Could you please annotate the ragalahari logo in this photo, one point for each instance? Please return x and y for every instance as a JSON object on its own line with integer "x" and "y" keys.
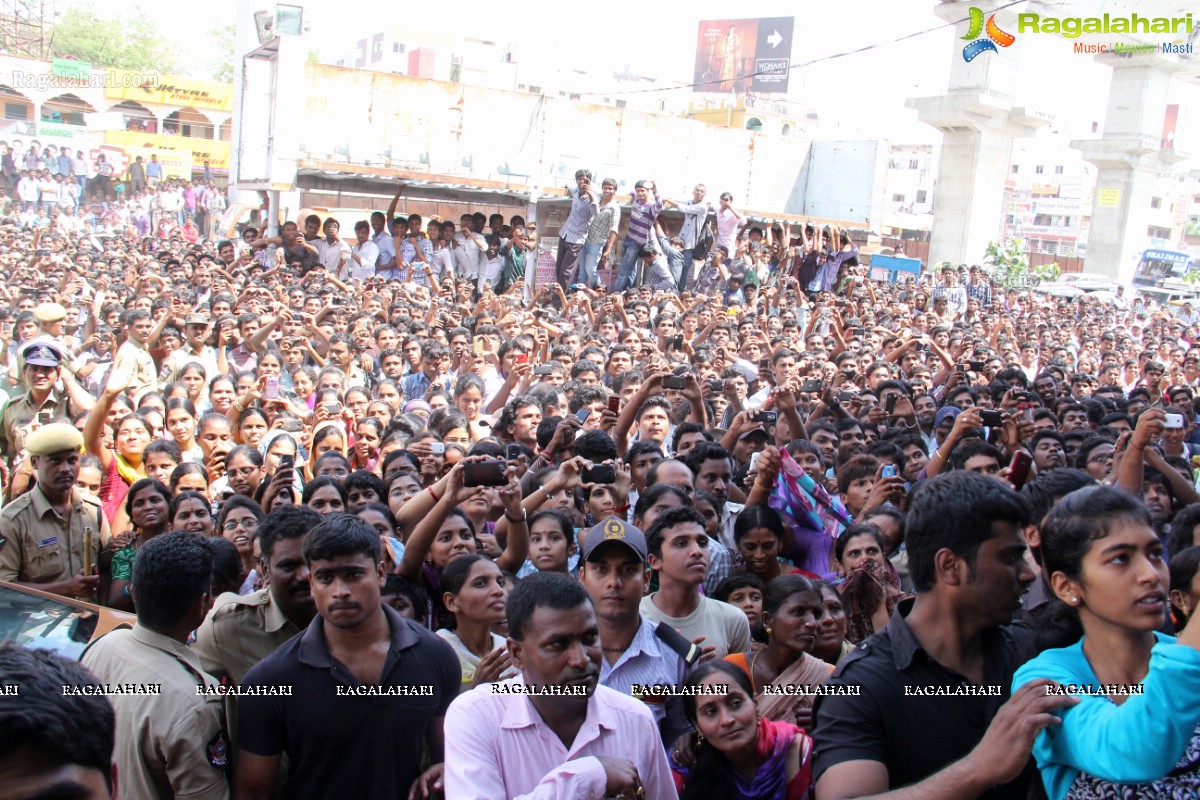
{"x": 995, "y": 36}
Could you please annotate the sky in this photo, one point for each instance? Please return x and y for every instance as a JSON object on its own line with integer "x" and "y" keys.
{"x": 858, "y": 96}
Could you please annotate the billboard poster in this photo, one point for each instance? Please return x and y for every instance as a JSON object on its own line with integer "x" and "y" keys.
{"x": 547, "y": 256}
{"x": 743, "y": 55}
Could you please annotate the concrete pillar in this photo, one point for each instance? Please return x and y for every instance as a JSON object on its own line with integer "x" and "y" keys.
{"x": 978, "y": 119}
{"x": 1127, "y": 157}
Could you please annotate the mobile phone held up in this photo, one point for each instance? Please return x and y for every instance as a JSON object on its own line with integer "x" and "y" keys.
{"x": 1018, "y": 468}
{"x": 484, "y": 473}
{"x": 601, "y": 473}
{"x": 674, "y": 382}
{"x": 766, "y": 418}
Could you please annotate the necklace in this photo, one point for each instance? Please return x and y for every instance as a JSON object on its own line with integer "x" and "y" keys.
{"x": 614, "y": 649}
{"x": 754, "y": 661}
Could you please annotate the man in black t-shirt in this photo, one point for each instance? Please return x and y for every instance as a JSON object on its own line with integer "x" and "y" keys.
{"x": 353, "y": 698}
{"x": 933, "y": 712}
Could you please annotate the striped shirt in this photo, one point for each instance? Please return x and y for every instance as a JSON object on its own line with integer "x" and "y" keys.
{"x": 641, "y": 220}
{"x": 649, "y": 661}
{"x": 583, "y": 211}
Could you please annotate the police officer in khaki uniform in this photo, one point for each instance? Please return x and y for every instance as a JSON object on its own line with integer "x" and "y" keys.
{"x": 42, "y": 532}
{"x": 51, "y": 320}
{"x": 171, "y": 738}
{"x": 43, "y": 399}
{"x": 240, "y": 631}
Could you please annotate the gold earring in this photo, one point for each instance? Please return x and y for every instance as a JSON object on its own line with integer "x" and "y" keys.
{"x": 768, "y": 630}
{"x": 699, "y": 739}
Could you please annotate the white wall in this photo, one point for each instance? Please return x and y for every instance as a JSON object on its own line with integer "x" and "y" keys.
{"x": 846, "y": 181}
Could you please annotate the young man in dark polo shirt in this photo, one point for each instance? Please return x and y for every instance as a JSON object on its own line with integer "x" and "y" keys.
{"x": 367, "y": 686}
{"x": 933, "y": 718}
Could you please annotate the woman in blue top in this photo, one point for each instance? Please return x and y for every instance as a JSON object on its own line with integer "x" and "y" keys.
{"x": 1105, "y": 563}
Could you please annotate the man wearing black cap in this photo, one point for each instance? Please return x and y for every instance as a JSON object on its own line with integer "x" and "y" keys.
{"x": 44, "y": 399}
{"x": 637, "y": 651}
{"x": 42, "y": 532}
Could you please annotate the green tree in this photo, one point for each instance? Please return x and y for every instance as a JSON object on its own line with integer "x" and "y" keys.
{"x": 132, "y": 43}
{"x": 1010, "y": 266}
{"x": 222, "y": 42}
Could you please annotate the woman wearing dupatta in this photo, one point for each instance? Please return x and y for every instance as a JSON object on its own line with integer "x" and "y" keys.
{"x": 740, "y": 754}
{"x": 870, "y": 595}
{"x": 792, "y": 608}
{"x": 814, "y": 518}
{"x": 122, "y": 466}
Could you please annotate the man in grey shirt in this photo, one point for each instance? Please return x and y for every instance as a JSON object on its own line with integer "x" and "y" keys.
{"x": 574, "y": 230}
{"x": 694, "y": 215}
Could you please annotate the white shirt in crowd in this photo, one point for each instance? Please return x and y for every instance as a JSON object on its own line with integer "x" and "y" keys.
{"x": 368, "y": 254}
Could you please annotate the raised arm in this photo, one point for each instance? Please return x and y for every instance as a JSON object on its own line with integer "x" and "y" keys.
{"x": 423, "y": 535}
{"x": 119, "y": 379}
{"x": 629, "y": 413}
{"x": 516, "y": 546}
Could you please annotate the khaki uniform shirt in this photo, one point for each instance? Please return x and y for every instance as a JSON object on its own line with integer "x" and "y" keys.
{"x": 174, "y": 364}
{"x": 140, "y": 362}
{"x": 239, "y": 632}
{"x": 172, "y": 744}
{"x": 38, "y": 545}
{"x": 20, "y": 411}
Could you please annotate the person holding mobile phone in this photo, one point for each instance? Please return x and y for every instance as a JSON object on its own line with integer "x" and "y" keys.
{"x": 574, "y": 229}
{"x": 445, "y": 532}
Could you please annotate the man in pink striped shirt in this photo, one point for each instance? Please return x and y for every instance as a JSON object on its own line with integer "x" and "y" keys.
{"x": 553, "y": 732}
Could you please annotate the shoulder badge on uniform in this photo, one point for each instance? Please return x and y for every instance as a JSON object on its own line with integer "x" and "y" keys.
{"x": 218, "y": 751}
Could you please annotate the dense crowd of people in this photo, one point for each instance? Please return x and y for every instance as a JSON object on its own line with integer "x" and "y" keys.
{"x": 397, "y": 521}
{"x": 80, "y": 191}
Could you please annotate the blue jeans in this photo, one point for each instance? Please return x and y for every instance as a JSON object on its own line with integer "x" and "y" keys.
{"x": 627, "y": 272}
{"x": 589, "y": 262}
{"x": 686, "y": 277}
